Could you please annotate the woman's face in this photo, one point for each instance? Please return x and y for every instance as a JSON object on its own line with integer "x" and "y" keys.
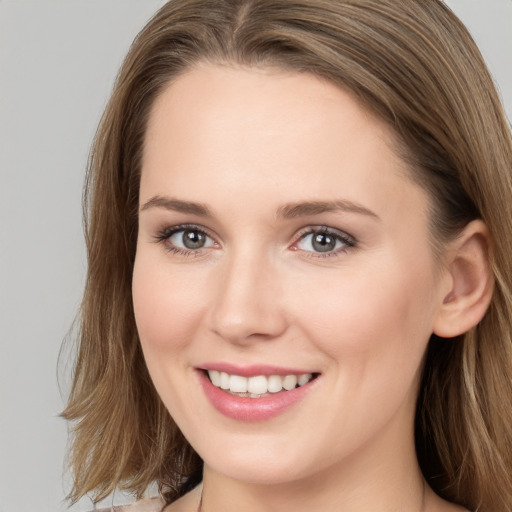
{"x": 281, "y": 243}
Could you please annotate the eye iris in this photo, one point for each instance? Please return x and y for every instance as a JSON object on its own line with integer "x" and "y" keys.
{"x": 323, "y": 242}
{"x": 193, "y": 239}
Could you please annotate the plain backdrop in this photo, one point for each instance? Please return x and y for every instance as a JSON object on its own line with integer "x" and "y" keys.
{"x": 58, "y": 60}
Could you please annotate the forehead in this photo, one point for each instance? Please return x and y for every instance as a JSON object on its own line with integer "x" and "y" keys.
{"x": 223, "y": 92}
{"x": 271, "y": 132}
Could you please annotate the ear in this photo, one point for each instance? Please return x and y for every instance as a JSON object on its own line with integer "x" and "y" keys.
{"x": 470, "y": 282}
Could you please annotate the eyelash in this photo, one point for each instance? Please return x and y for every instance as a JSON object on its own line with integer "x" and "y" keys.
{"x": 165, "y": 234}
{"x": 348, "y": 241}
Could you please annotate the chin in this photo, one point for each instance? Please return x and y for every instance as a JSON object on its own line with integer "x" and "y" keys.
{"x": 259, "y": 472}
{"x": 260, "y": 461}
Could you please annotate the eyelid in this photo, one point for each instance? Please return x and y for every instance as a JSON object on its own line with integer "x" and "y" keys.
{"x": 348, "y": 240}
{"x": 164, "y": 234}
{"x": 168, "y": 231}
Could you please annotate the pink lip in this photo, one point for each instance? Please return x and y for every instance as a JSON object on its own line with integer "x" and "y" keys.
{"x": 253, "y": 370}
{"x": 252, "y": 409}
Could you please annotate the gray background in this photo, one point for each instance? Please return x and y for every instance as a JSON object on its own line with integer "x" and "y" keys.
{"x": 58, "y": 59}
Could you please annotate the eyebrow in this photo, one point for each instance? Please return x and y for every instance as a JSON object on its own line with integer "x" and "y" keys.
{"x": 176, "y": 205}
{"x": 287, "y": 211}
{"x": 304, "y": 209}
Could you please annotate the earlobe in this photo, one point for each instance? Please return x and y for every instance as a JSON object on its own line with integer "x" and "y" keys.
{"x": 471, "y": 282}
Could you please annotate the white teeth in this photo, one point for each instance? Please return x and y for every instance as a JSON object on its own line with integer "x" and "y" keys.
{"x": 224, "y": 380}
{"x": 304, "y": 379}
{"x": 289, "y": 382}
{"x": 259, "y": 384}
{"x": 215, "y": 377}
{"x": 238, "y": 384}
{"x": 275, "y": 384}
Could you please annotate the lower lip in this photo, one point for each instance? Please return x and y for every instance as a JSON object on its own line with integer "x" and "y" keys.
{"x": 251, "y": 409}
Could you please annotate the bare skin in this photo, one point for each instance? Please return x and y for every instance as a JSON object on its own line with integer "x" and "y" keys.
{"x": 191, "y": 502}
{"x": 241, "y": 148}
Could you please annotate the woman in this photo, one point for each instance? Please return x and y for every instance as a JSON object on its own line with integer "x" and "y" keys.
{"x": 299, "y": 289}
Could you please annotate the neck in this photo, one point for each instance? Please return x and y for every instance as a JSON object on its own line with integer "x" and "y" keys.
{"x": 362, "y": 482}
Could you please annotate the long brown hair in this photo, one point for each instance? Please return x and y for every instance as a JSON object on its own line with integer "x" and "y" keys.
{"x": 414, "y": 65}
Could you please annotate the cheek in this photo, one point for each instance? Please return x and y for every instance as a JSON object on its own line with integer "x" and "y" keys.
{"x": 166, "y": 313}
{"x": 378, "y": 311}
{"x": 374, "y": 327}
{"x": 166, "y": 306}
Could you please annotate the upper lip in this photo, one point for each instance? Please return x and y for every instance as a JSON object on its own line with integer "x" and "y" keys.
{"x": 253, "y": 369}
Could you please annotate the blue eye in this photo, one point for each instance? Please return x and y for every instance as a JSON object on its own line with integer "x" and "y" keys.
{"x": 324, "y": 240}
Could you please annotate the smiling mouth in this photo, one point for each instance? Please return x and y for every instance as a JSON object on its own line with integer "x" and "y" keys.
{"x": 259, "y": 386}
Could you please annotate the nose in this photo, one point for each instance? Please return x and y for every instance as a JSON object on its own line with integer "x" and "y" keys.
{"x": 246, "y": 301}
